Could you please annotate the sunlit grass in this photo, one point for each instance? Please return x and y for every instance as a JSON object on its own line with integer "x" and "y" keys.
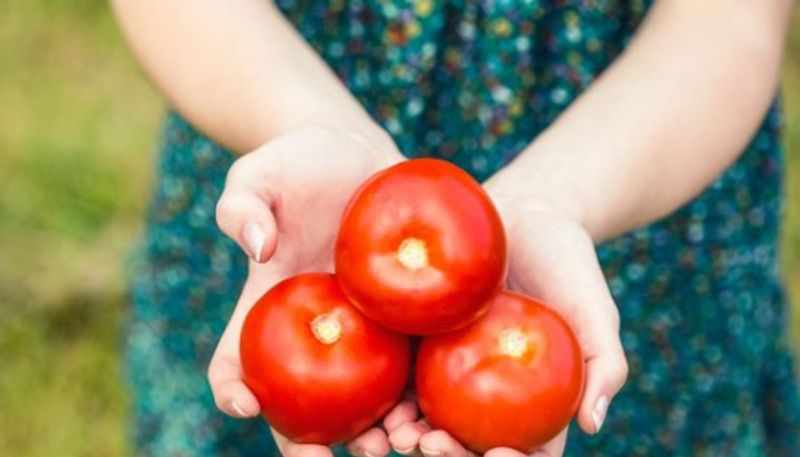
{"x": 791, "y": 227}
{"x": 77, "y": 128}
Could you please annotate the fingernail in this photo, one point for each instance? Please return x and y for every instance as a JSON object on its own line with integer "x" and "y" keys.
{"x": 405, "y": 451}
{"x": 254, "y": 238}
{"x": 238, "y": 409}
{"x": 599, "y": 412}
{"x": 369, "y": 454}
{"x": 428, "y": 452}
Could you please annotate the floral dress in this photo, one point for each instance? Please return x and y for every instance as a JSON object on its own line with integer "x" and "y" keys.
{"x": 704, "y": 316}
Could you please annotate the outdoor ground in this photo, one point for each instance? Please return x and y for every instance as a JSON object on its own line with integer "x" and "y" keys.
{"x": 78, "y": 124}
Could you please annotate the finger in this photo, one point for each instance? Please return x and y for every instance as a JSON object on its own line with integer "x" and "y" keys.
{"x": 405, "y": 437}
{"x": 506, "y": 452}
{"x": 372, "y": 443}
{"x": 290, "y": 449}
{"x": 244, "y": 210}
{"x": 553, "y": 448}
{"x": 439, "y": 443}
{"x": 405, "y": 411}
{"x": 231, "y": 395}
{"x": 606, "y": 372}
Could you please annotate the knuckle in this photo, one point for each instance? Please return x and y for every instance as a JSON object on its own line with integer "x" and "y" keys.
{"x": 237, "y": 172}
{"x": 619, "y": 370}
{"x": 210, "y": 375}
{"x": 228, "y": 212}
{"x": 614, "y": 318}
{"x": 624, "y": 369}
{"x": 211, "y": 372}
{"x": 224, "y": 210}
{"x": 220, "y": 399}
{"x": 220, "y": 404}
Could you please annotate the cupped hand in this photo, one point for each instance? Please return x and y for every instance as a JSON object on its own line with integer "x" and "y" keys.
{"x": 552, "y": 258}
{"x": 282, "y": 204}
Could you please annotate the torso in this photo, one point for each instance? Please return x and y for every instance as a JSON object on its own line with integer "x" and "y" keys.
{"x": 473, "y": 82}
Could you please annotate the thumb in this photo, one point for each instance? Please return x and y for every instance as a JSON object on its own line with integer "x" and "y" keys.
{"x": 245, "y": 208}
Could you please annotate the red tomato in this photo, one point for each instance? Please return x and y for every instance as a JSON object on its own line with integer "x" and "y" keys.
{"x": 421, "y": 248}
{"x": 514, "y": 378}
{"x": 322, "y": 372}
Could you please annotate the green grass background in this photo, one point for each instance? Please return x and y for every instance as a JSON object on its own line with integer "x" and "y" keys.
{"x": 78, "y": 124}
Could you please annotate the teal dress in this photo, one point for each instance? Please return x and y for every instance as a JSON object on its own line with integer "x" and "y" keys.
{"x": 704, "y": 316}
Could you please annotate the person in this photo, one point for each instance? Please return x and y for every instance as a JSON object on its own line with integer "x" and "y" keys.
{"x": 648, "y": 131}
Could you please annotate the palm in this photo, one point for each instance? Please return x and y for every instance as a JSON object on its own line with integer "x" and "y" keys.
{"x": 553, "y": 259}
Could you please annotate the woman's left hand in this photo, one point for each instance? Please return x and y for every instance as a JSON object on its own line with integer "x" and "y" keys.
{"x": 282, "y": 203}
{"x": 552, "y": 258}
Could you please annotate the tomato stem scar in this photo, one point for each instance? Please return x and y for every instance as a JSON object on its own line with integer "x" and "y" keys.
{"x": 413, "y": 254}
{"x": 513, "y": 343}
{"x": 326, "y": 329}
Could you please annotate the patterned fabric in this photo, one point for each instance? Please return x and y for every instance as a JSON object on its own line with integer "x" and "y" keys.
{"x": 473, "y": 82}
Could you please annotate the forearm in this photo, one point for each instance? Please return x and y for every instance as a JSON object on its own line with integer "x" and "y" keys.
{"x": 238, "y": 70}
{"x": 663, "y": 121}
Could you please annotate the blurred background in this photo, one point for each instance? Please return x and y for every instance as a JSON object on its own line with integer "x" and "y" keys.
{"x": 78, "y": 125}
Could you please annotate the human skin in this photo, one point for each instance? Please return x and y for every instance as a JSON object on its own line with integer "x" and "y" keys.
{"x": 658, "y": 126}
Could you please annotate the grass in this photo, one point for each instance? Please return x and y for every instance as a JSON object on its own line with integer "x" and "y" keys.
{"x": 791, "y": 227}
{"x": 77, "y": 125}
{"x": 77, "y": 130}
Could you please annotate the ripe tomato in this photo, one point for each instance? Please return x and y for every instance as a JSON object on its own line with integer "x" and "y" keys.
{"x": 514, "y": 378}
{"x": 421, "y": 248}
{"x": 322, "y": 372}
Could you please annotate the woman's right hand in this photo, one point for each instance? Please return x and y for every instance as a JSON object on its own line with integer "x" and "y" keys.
{"x": 552, "y": 258}
{"x": 282, "y": 204}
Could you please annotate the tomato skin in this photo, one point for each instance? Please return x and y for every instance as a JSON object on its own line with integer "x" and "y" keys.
{"x": 310, "y": 391}
{"x": 440, "y": 287}
{"x": 485, "y": 398}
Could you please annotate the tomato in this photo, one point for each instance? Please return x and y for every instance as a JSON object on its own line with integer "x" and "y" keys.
{"x": 514, "y": 378}
{"x": 421, "y": 249}
{"x": 322, "y": 372}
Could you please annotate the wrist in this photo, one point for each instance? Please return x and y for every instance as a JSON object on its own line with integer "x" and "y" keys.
{"x": 375, "y": 141}
{"x": 535, "y": 183}
{"x": 365, "y": 136}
